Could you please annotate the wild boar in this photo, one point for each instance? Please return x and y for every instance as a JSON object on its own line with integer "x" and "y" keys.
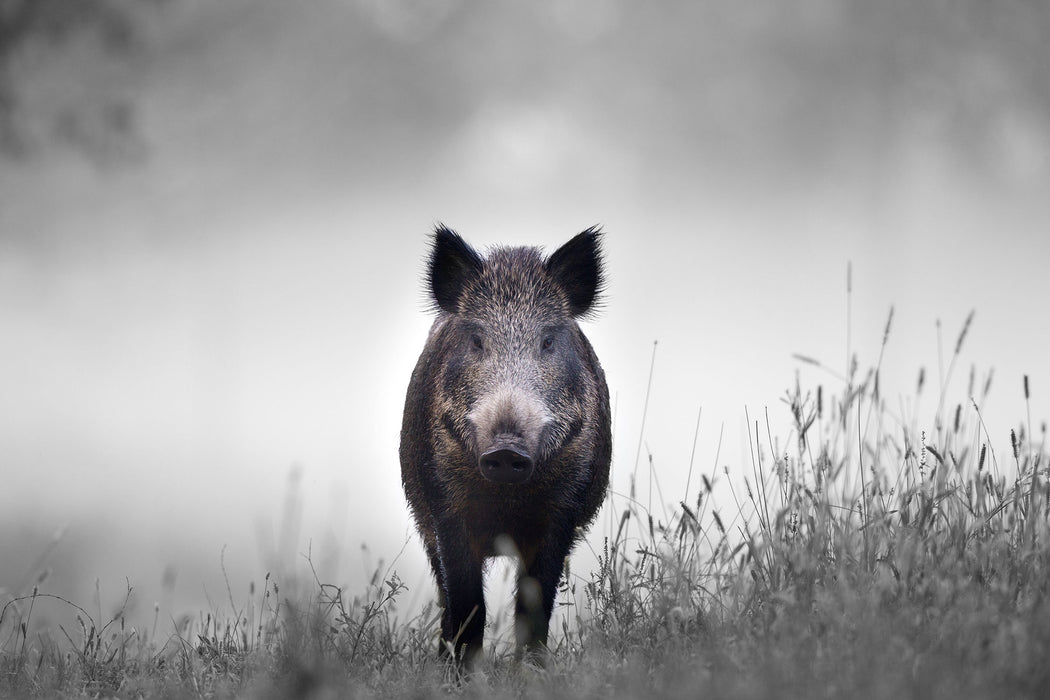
{"x": 507, "y": 429}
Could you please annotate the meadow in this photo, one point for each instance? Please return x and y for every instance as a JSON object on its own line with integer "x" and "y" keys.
{"x": 866, "y": 553}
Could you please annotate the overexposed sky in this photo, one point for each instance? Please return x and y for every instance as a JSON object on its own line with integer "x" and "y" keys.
{"x": 239, "y": 293}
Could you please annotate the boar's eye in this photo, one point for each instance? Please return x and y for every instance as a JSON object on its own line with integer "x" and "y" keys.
{"x": 476, "y": 343}
{"x": 548, "y": 342}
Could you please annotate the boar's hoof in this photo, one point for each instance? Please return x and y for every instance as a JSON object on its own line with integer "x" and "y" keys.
{"x": 506, "y": 466}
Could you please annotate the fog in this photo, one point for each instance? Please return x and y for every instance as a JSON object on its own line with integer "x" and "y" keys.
{"x": 207, "y": 325}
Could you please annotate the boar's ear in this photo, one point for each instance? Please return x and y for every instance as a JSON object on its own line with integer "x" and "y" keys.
{"x": 577, "y": 267}
{"x": 452, "y": 265}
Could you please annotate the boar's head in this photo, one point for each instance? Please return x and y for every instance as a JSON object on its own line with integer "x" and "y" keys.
{"x": 515, "y": 386}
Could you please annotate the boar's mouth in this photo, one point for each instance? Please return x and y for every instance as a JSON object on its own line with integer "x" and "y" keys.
{"x": 506, "y": 461}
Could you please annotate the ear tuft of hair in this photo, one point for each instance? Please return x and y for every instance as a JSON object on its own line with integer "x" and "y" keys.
{"x": 577, "y": 267}
{"x": 453, "y": 263}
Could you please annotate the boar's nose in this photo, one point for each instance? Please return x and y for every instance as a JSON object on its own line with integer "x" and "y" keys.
{"x": 506, "y": 465}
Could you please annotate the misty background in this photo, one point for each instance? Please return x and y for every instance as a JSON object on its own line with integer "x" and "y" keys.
{"x": 213, "y": 220}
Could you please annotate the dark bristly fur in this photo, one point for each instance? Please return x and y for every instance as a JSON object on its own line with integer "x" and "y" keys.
{"x": 506, "y": 376}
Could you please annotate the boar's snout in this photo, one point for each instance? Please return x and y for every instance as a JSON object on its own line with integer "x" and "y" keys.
{"x": 506, "y": 462}
{"x": 508, "y": 424}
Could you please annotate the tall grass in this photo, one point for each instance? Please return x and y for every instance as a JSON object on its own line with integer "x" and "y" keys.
{"x": 860, "y": 555}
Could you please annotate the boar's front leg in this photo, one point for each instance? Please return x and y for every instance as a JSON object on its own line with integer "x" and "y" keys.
{"x": 537, "y": 586}
{"x": 461, "y": 580}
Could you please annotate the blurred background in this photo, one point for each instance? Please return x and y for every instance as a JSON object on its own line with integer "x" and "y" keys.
{"x": 213, "y": 218}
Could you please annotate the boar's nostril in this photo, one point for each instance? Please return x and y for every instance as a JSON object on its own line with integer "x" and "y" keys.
{"x": 506, "y": 466}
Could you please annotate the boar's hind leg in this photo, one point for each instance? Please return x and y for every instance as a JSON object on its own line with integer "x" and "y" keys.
{"x": 461, "y": 582}
{"x": 537, "y": 586}
{"x": 435, "y": 566}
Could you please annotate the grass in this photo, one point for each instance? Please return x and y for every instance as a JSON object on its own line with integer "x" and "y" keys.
{"x": 859, "y": 556}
